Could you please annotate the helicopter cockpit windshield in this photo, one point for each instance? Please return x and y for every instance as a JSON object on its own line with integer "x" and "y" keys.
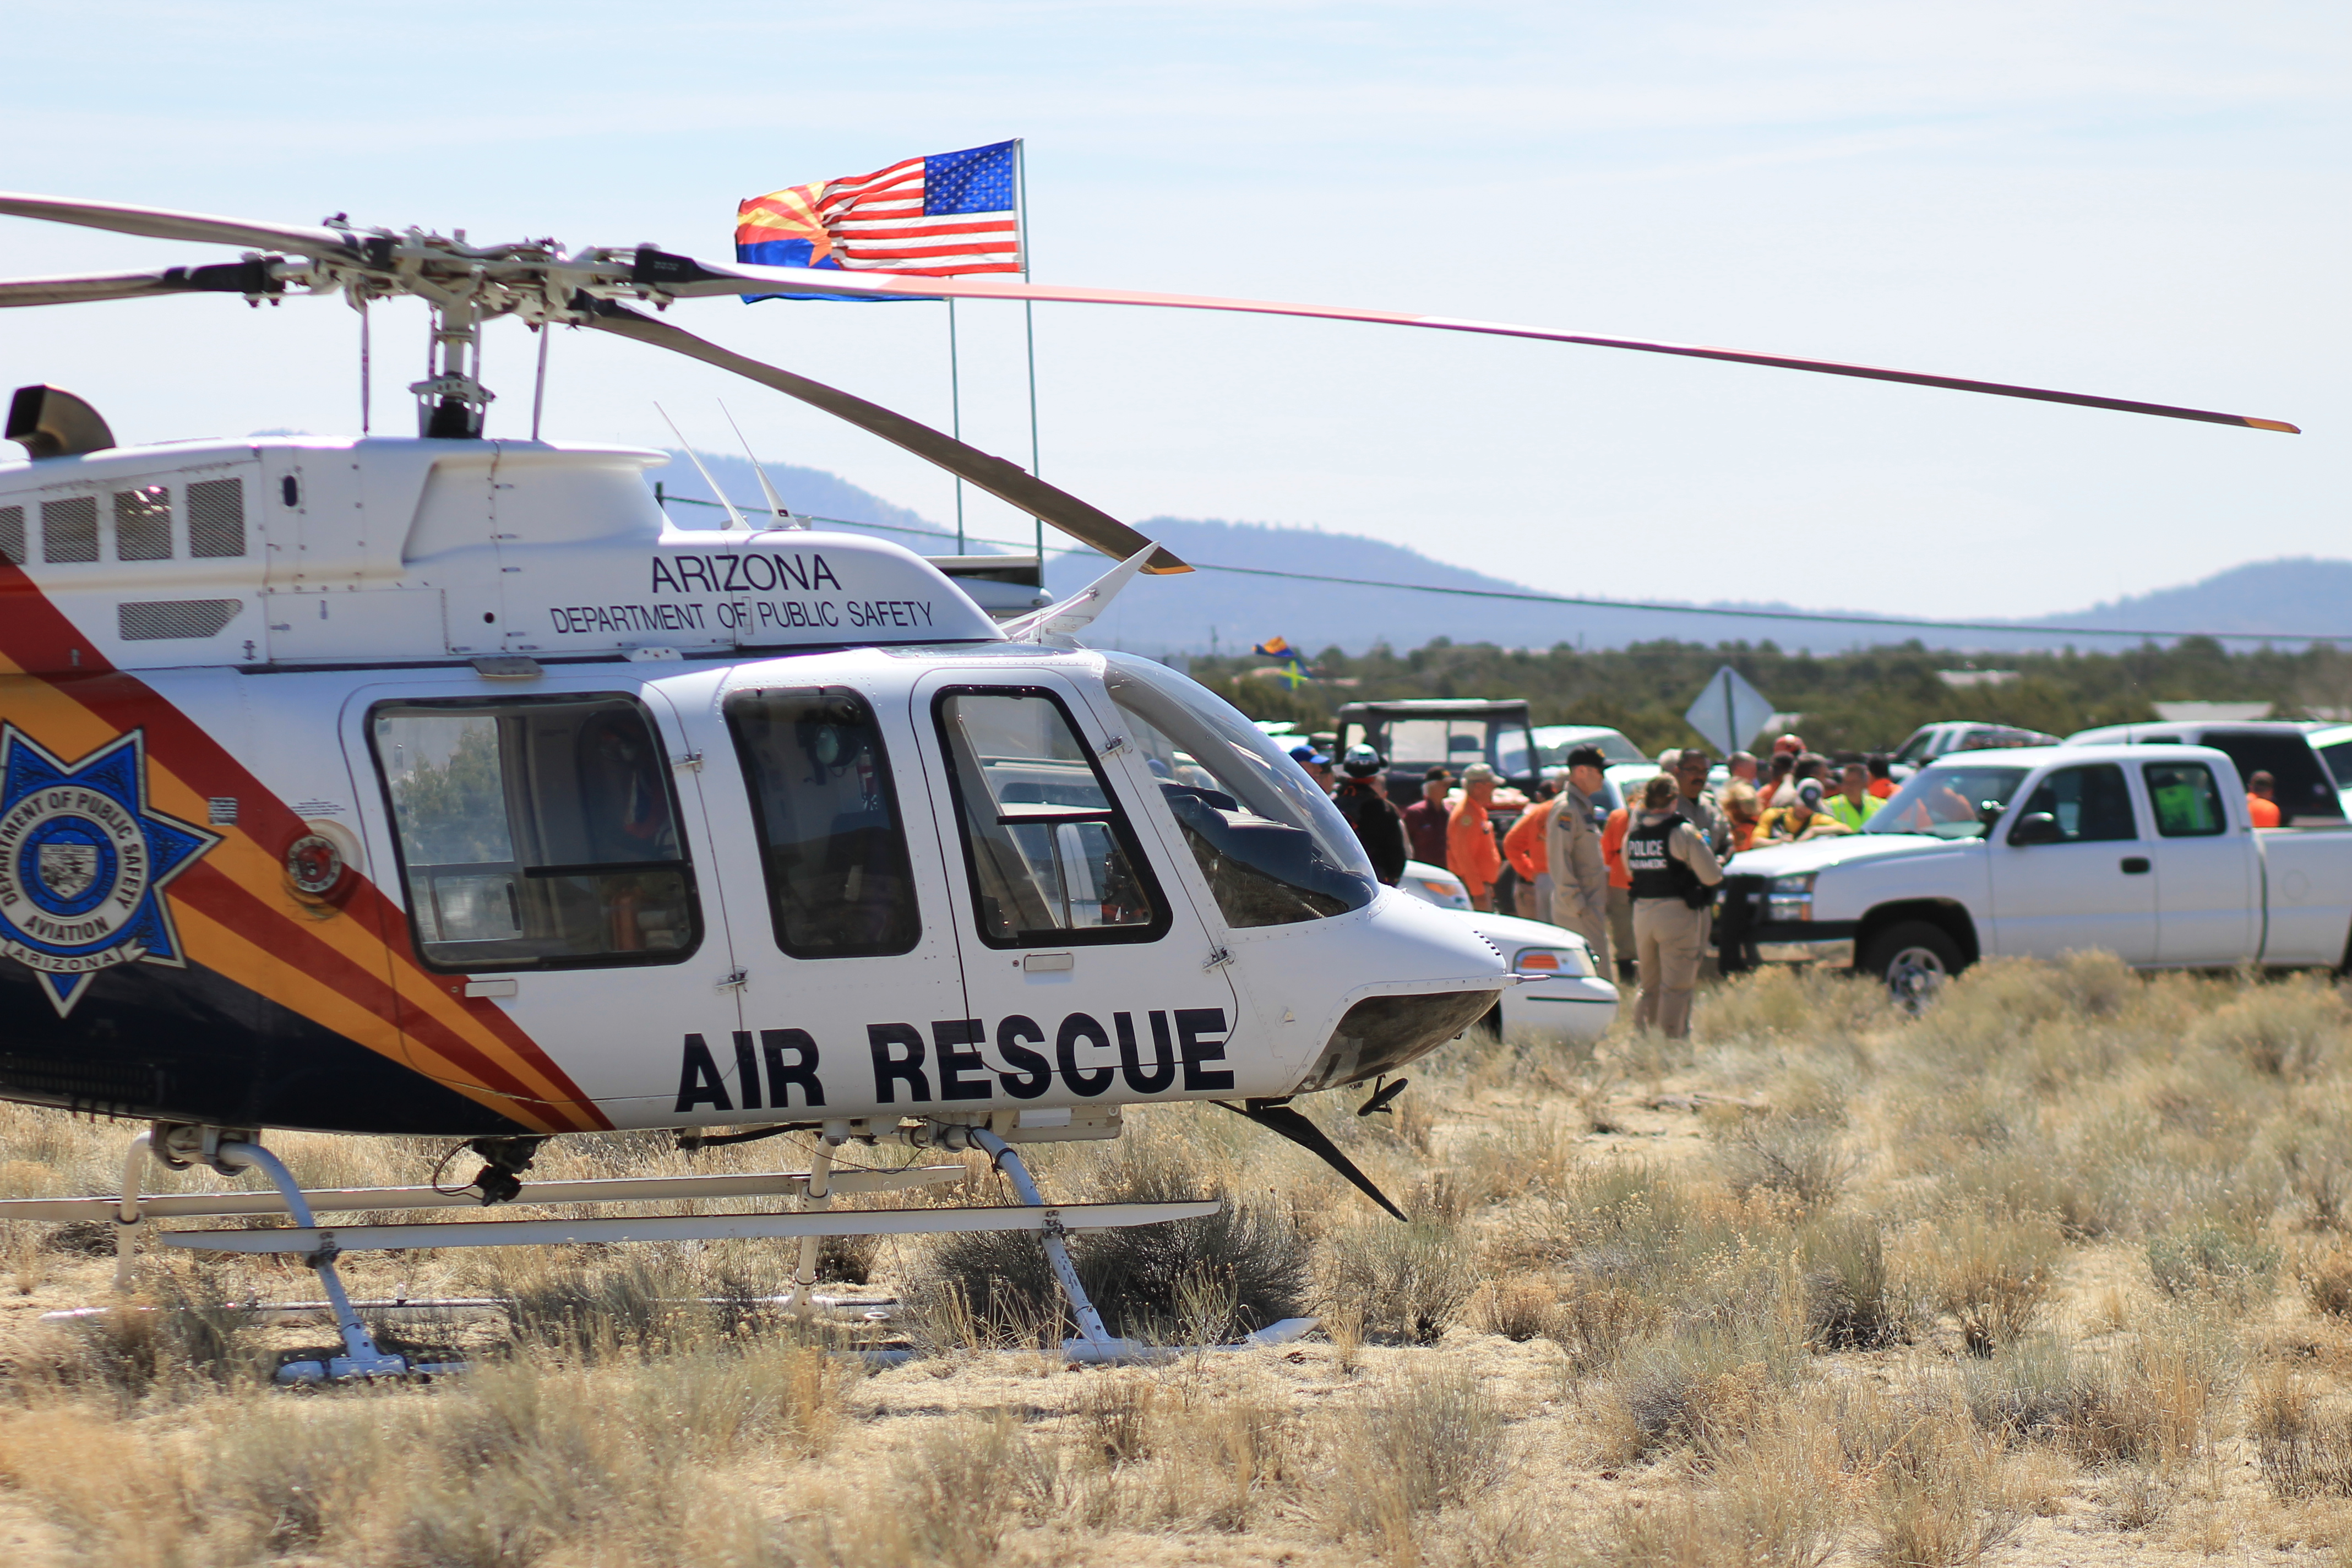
{"x": 1274, "y": 848}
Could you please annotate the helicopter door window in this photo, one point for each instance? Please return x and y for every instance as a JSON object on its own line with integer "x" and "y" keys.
{"x": 1051, "y": 856}
{"x": 831, "y": 843}
{"x": 536, "y": 834}
{"x": 1274, "y": 848}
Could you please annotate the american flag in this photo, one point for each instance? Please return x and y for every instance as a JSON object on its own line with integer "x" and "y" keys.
{"x": 937, "y": 216}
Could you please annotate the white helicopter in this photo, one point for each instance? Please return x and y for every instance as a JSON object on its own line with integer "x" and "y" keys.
{"x": 437, "y": 786}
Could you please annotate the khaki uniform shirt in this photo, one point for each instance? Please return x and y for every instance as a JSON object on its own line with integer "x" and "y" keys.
{"x": 1702, "y": 813}
{"x": 1572, "y": 854}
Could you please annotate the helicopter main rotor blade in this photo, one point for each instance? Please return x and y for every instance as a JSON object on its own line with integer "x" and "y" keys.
{"x": 250, "y": 278}
{"x": 684, "y": 276}
{"x": 1007, "y": 482}
{"x": 157, "y": 223}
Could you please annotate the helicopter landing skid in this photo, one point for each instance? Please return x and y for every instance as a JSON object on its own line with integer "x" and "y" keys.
{"x": 233, "y": 1153}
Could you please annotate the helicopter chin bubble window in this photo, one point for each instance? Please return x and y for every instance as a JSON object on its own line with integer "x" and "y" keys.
{"x": 1275, "y": 849}
{"x": 839, "y": 883}
{"x": 536, "y": 832}
{"x": 1051, "y": 856}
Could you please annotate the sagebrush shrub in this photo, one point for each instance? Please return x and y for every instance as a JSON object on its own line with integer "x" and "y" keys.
{"x": 2293, "y": 1028}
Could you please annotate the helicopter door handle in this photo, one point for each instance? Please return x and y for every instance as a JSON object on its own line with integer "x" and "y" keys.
{"x": 690, "y": 763}
{"x": 1218, "y": 958}
{"x": 2135, "y": 865}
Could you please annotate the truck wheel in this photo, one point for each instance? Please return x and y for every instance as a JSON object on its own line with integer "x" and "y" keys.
{"x": 1914, "y": 959}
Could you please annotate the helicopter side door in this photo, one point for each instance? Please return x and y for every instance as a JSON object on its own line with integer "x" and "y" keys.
{"x": 842, "y": 929}
{"x": 1087, "y": 971}
{"x": 558, "y": 881}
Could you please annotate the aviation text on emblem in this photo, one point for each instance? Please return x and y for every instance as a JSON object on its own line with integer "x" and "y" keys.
{"x": 83, "y": 863}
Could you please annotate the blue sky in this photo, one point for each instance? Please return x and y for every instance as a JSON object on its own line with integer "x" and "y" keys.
{"x": 2140, "y": 200}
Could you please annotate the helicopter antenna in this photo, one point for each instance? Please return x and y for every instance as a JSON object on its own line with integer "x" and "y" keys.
{"x": 734, "y": 518}
{"x": 775, "y": 502}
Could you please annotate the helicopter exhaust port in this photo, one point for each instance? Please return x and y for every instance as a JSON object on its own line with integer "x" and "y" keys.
{"x": 50, "y": 423}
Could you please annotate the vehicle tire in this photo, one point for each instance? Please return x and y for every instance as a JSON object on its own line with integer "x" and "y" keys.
{"x": 1913, "y": 959}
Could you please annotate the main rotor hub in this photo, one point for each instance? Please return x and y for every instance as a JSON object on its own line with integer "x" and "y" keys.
{"x": 464, "y": 286}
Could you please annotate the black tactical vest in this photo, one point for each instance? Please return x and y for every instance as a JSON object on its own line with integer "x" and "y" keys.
{"x": 1655, "y": 873}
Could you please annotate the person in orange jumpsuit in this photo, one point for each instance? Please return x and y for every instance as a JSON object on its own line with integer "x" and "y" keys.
{"x": 1471, "y": 852}
{"x": 1523, "y": 847}
{"x": 1621, "y": 889}
{"x": 2262, "y": 800}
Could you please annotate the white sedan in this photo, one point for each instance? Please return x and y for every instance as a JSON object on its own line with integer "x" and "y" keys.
{"x": 1562, "y": 996}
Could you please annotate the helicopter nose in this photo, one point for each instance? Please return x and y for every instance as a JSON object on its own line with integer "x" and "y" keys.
{"x": 1423, "y": 975}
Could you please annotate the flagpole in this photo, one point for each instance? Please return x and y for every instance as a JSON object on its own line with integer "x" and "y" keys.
{"x": 1028, "y": 323}
{"x": 955, "y": 416}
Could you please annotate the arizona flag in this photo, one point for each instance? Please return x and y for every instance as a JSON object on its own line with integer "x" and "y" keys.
{"x": 1290, "y": 664}
{"x": 938, "y": 216}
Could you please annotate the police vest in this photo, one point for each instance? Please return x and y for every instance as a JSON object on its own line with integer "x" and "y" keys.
{"x": 1655, "y": 873}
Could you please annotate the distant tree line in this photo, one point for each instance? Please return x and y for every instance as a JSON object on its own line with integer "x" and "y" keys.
{"x": 1864, "y": 701}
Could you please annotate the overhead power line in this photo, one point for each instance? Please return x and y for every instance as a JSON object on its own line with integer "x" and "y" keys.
{"x": 1825, "y": 617}
{"x": 1820, "y": 616}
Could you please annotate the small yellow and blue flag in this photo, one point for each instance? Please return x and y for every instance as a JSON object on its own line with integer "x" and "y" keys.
{"x": 1289, "y": 663}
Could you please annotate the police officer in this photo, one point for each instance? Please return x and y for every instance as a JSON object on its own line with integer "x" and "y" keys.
{"x": 1696, "y": 806}
{"x": 1579, "y": 877}
{"x": 1363, "y": 800}
{"x": 1674, "y": 874}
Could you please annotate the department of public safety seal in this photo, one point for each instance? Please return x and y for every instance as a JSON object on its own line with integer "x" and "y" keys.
{"x": 83, "y": 863}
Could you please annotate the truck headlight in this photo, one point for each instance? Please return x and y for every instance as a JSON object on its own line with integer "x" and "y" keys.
{"x": 1448, "y": 894}
{"x": 1573, "y": 962}
{"x": 1789, "y": 898}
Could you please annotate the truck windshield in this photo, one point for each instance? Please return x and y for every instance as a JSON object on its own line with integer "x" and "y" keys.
{"x": 1553, "y": 743}
{"x": 1947, "y": 801}
{"x": 1914, "y": 750}
{"x": 1412, "y": 743}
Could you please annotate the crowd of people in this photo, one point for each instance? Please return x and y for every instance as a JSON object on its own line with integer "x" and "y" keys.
{"x": 1636, "y": 881}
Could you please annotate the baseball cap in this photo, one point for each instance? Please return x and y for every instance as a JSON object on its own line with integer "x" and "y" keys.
{"x": 1588, "y": 757}
{"x": 1810, "y": 792}
{"x": 1306, "y": 757}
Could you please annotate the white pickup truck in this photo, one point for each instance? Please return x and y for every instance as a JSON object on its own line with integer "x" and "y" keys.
{"x": 2142, "y": 850}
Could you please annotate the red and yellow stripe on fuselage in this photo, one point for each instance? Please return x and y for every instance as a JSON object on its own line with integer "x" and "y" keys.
{"x": 345, "y": 967}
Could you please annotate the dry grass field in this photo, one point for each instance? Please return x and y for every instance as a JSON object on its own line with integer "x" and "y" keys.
{"x": 2058, "y": 1272}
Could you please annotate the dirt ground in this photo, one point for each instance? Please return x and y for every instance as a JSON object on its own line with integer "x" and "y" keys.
{"x": 2052, "y": 1274}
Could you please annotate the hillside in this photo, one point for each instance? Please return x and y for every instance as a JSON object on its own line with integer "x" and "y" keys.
{"x": 2300, "y": 593}
{"x": 1220, "y": 610}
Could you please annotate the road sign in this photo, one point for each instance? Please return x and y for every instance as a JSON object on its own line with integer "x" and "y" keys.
{"x": 1728, "y": 712}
